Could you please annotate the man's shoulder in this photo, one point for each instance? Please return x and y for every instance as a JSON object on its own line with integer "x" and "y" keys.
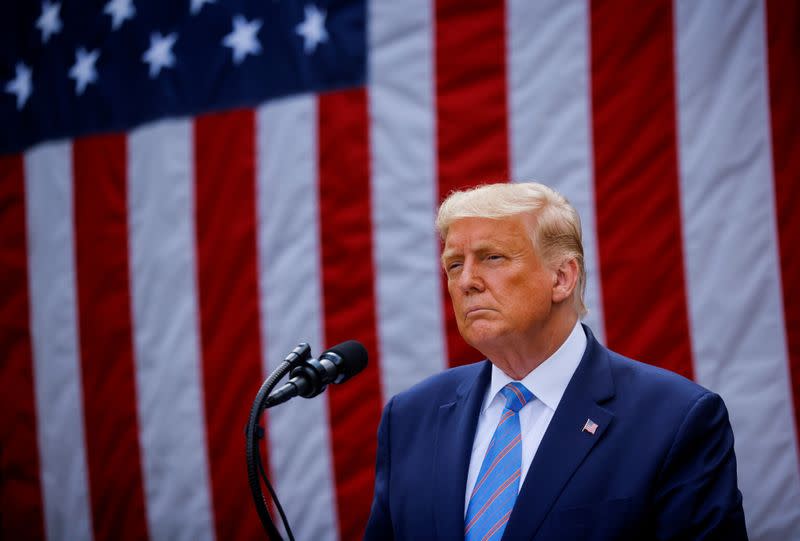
{"x": 444, "y": 386}
{"x": 651, "y": 406}
{"x": 630, "y": 377}
{"x": 634, "y": 378}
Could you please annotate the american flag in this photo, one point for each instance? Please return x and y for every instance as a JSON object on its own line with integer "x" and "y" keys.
{"x": 590, "y": 427}
{"x": 188, "y": 189}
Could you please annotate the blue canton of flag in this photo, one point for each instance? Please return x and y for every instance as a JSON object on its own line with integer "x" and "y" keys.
{"x": 74, "y": 68}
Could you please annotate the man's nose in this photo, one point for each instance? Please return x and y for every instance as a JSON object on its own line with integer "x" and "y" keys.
{"x": 470, "y": 279}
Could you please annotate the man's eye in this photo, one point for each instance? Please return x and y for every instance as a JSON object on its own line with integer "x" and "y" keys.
{"x": 453, "y": 266}
{"x": 494, "y": 257}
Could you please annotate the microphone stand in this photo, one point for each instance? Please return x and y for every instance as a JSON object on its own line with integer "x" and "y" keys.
{"x": 253, "y": 435}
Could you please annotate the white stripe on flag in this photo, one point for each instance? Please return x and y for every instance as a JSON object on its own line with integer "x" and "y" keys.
{"x": 165, "y": 329}
{"x": 403, "y": 147}
{"x": 56, "y": 353}
{"x": 550, "y": 116}
{"x": 735, "y": 306}
{"x": 291, "y": 307}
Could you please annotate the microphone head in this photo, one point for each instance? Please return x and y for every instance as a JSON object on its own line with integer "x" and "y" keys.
{"x": 353, "y": 357}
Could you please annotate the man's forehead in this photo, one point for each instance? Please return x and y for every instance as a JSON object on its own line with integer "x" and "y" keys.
{"x": 478, "y": 228}
{"x": 480, "y": 233}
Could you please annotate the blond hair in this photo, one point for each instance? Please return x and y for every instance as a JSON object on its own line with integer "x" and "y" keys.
{"x": 556, "y": 235}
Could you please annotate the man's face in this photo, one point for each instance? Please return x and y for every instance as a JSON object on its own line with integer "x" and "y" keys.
{"x": 501, "y": 291}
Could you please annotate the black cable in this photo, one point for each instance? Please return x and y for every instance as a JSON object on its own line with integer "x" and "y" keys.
{"x": 252, "y": 455}
{"x": 275, "y": 498}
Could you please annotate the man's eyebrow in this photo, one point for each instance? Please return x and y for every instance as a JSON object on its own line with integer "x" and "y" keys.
{"x": 447, "y": 255}
{"x": 479, "y": 248}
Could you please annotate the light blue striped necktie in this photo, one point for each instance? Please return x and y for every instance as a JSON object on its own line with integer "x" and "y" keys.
{"x": 496, "y": 489}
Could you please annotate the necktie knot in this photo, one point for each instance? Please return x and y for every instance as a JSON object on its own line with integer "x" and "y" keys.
{"x": 516, "y": 395}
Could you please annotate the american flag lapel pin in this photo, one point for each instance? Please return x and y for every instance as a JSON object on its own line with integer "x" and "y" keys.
{"x": 590, "y": 427}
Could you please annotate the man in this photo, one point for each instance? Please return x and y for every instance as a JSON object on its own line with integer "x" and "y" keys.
{"x": 555, "y": 437}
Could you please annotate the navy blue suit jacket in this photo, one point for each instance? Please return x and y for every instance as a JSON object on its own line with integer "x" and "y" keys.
{"x": 660, "y": 465}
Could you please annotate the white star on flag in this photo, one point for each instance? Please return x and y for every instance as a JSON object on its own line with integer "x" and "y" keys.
{"x": 590, "y": 427}
{"x": 160, "y": 55}
{"x": 49, "y": 21}
{"x": 312, "y": 28}
{"x": 197, "y": 5}
{"x": 243, "y": 38}
{"x": 120, "y": 11}
{"x": 21, "y": 85}
{"x": 84, "y": 71}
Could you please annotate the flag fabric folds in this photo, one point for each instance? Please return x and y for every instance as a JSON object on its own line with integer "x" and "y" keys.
{"x": 189, "y": 190}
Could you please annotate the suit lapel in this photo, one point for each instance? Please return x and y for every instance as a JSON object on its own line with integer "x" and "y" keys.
{"x": 455, "y": 432}
{"x": 565, "y": 444}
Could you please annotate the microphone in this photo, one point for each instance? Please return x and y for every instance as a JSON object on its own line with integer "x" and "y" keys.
{"x": 311, "y": 376}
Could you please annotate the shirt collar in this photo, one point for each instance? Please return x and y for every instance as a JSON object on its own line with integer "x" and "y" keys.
{"x": 549, "y": 380}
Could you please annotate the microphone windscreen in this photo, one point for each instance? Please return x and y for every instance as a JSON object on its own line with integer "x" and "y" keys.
{"x": 354, "y": 357}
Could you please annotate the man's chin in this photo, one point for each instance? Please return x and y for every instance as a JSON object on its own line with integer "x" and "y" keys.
{"x": 484, "y": 338}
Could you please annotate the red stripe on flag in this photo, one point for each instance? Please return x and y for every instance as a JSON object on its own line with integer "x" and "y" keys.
{"x": 783, "y": 34}
{"x": 471, "y": 109}
{"x": 348, "y": 285}
{"x": 106, "y": 339}
{"x": 227, "y": 272}
{"x": 21, "y": 515}
{"x": 637, "y": 183}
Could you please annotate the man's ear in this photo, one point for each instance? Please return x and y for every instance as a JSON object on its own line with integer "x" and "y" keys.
{"x": 565, "y": 280}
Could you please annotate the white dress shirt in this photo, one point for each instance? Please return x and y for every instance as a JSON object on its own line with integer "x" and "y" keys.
{"x": 547, "y": 382}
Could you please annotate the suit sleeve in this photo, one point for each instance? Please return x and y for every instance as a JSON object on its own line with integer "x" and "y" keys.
{"x": 379, "y": 526}
{"x": 698, "y": 497}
